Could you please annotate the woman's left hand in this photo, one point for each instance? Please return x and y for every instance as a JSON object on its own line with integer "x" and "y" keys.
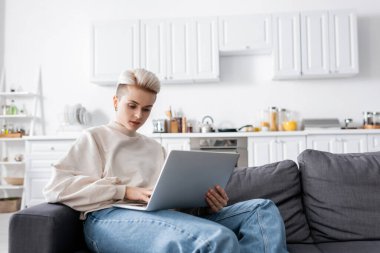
{"x": 216, "y": 199}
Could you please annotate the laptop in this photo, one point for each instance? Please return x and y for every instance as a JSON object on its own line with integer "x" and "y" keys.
{"x": 185, "y": 178}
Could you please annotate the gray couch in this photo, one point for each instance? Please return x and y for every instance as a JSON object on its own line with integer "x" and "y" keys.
{"x": 330, "y": 203}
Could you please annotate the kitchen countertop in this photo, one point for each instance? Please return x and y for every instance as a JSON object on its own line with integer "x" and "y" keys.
{"x": 263, "y": 134}
{"x": 223, "y": 134}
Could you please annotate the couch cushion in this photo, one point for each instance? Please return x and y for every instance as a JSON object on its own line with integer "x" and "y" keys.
{"x": 349, "y": 247}
{"x": 303, "y": 248}
{"x": 278, "y": 182}
{"x": 341, "y": 195}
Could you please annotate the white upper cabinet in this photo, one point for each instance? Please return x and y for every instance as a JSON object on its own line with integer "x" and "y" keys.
{"x": 180, "y": 50}
{"x": 328, "y": 43}
{"x": 315, "y": 43}
{"x": 343, "y": 43}
{"x": 115, "y": 47}
{"x": 206, "y": 49}
{"x": 242, "y": 34}
{"x": 286, "y": 45}
{"x": 153, "y": 46}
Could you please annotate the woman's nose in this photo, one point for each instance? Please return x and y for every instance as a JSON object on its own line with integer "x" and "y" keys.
{"x": 138, "y": 114}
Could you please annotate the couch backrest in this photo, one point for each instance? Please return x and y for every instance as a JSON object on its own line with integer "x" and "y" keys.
{"x": 341, "y": 195}
{"x": 280, "y": 183}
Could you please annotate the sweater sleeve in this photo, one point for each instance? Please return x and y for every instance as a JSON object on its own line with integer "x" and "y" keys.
{"x": 78, "y": 180}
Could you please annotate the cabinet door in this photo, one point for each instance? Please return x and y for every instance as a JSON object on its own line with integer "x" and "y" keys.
{"x": 34, "y": 185}
{"x": 373, "y": 142}
{"x": 326, "y": 143}
{"x": 343, "y": 42}
{"x": 352, "y": 143}
{"x": 180, "y": 48}
{"x": 206, "y": 49}
{"x": 286, "y": 45}
{"x": 315, "y": 43}
{"x": 261, "y": 150}
{"x": 245, "y": 34}
{"x": 290, "y": 147}
{"x": 175, "y": 144}
{"x": 153, "y": 46}
{"x": 115, "y": 47}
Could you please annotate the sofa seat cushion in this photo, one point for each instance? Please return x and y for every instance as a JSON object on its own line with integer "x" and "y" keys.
{"x": 278, "y": 182}
{"x": 336, "y": 247}
{"x": 303, "y": 248}
{"x": 341, "y": 195}
{"x": 350, "y": 247}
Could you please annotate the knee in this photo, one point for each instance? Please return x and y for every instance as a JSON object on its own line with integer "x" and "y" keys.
{"x": 224, "y": 240}
{"x": 260, "y": 203}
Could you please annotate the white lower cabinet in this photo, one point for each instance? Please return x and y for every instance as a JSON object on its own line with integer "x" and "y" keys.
{"x": 175, "y": 144}
{"x": 35, "y": 183}
{"x": 264, "y": 150}
{"x": 338, "y": 143}
{"x": 373, "y": 142}
{"x": 41, "y": 155}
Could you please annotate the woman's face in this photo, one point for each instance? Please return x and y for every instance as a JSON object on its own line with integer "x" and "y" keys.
{"x": 133, "y": 108}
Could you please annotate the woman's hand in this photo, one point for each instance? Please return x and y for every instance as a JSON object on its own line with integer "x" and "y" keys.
{"x": 138, "y": 194}
{"x": 216, "y": 199}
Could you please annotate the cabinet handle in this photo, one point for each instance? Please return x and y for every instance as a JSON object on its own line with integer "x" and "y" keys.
{"x": 247, "y": 47}
{"x": 52, "y": 164}
{"x": 52, "y": 148}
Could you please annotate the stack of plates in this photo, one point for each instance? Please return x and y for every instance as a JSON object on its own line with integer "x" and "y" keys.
{"x": 76, "y": 114}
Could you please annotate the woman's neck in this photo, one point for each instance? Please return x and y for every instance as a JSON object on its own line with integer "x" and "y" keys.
{"x": 120, "y": 127}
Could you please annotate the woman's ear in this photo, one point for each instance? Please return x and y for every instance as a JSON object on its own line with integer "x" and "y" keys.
{"x": 115, "y": 102}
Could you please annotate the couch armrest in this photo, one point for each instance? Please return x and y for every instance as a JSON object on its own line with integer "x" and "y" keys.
{"x": 45, "y": 228}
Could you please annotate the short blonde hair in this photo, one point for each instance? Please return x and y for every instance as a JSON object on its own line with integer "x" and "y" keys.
{"x": 140, "y": 77}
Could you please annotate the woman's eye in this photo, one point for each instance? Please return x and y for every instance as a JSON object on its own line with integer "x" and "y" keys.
{"x": 146, "y": 109}
{"x": 132, "y": 106}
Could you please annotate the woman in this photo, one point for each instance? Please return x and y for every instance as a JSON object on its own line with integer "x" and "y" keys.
{"x": 113, "y": 162}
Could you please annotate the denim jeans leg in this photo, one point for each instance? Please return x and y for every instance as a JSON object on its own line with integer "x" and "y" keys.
{"x": 116, "y": 230}
{"x": 257, "y": 224}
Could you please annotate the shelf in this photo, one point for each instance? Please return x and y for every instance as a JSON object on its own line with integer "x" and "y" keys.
{"x": 11, "y": 187}
{"x": 16, "y": 117}
{"x": 12, "y": 139}
{"x": 12, "y": 163}
{"x": 17, "y": 94}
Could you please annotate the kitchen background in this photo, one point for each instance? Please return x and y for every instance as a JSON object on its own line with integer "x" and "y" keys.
{"x": 55, "y": 35}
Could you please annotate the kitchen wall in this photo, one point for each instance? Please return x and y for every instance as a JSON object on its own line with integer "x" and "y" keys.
{"x": 54, "y": 35}
{"x": 2, "y": 26}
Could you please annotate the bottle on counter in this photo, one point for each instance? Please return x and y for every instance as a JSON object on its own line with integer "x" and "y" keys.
{"x": 282, "y": 117}
{"x": 273, "y": 119}
{"x": 264, "y": 120}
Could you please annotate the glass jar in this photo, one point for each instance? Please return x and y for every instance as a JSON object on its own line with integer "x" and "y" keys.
{"x": 367, "y": 118}
{"x": 376, "y": 119}
{"x": 282, "y": 117}
{"x": 13, "y": 108}
{"x": 264, "y": 120}
{"x": 273, "y": 119}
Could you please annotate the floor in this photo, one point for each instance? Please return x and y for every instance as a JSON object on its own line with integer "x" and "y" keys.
{"x": 4, "y": 221}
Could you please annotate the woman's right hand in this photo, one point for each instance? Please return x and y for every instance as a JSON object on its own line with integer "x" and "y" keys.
{"x": 137, "y": 194}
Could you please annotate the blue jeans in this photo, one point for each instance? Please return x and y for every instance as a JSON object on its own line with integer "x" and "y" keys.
{"x": 249, "y": 226}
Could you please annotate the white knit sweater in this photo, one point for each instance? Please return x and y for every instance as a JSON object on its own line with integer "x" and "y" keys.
{"x": 101, "y": 163}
